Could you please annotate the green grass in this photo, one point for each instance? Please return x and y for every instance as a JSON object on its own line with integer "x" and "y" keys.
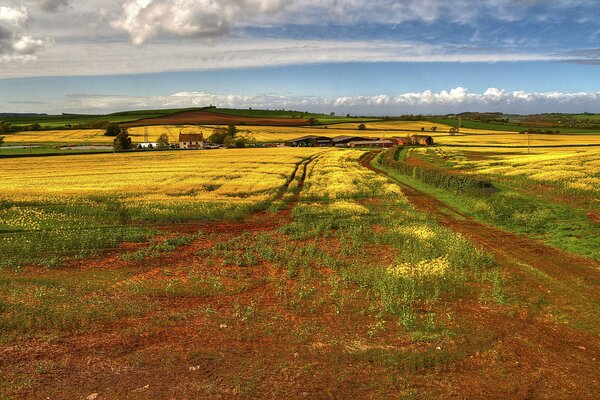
{"x": 59, "y": 121}
{"x": 560, "y": 225}
{"x": 500, "y": 126}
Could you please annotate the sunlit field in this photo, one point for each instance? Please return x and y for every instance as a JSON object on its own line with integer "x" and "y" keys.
{"x": 567, "y": 168}
{"x": 517, "y": 139}
{"x": 73, "y": 203}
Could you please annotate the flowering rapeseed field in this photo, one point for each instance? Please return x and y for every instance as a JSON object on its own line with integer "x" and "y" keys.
{"x": 76, "y": 204}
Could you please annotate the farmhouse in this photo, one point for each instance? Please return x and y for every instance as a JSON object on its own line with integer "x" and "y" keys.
{"x": 422, "y": 140}
{"x": 342, "y": 141}
{"x": 371, "y": 143}
{"x": 191, "y": 141}
{"x": 310, "y": 141}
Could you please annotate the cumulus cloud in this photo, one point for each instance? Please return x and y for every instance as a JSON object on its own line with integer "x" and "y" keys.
{"x": 14, "y": 43}
{"x": 144, "y": 19}
{"x": 427, "y": 102}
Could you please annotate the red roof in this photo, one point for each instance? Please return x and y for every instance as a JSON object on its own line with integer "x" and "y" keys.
{"x": 191, "y": 137}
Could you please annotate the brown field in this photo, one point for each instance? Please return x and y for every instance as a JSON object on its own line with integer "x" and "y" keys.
{"x": 208, "y": 118}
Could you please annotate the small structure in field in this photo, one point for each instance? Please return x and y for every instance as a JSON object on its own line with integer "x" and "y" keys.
{"x": 371, "y": 143}
{"x": 146, "y": 145}
{"x": 310, "y": 141}
{"x": 401, "y": 141}
{"x": 342, "y": 141}
{"x": 191, "y": 140}
{"x": 422, "y": 140}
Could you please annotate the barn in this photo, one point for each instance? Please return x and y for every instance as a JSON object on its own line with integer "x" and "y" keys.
{"x": 310, "y": 141}
{"x": 401, "y": 141}
{"x": 422, "y": 140}
{"x": 191, "y": 140}
{"x": 371, "y": 143}
{"x": 343, "y": 141}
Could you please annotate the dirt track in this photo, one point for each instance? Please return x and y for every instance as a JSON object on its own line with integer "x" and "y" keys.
{"x": 209, "y": 118}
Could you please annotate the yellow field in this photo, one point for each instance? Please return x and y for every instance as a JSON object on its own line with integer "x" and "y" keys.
{"x": 154, "y": 178}
{"x": 516, "y": 139}
{"x": 574, "y": 168}
{"x": 74, "y": 136}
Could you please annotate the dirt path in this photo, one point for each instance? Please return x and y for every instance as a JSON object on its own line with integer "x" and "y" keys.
{"x": 552, "y": 325}
{"x": 505, "y": 245}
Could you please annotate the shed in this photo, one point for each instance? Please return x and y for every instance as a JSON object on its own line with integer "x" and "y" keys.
{"x": 421, "y": 140}
{"x": 310, "y": 141}
{"x": 191, "y": 140}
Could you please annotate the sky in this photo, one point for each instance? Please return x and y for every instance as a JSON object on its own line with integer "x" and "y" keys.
{"x": 364, "y": 57}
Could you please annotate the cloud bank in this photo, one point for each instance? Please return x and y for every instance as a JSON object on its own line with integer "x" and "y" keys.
{"x": 427, "y": 102}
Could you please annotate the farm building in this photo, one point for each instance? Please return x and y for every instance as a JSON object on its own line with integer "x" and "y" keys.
{"x": 371, "y": 143}
{"x": 146, "y": 145}
{"x": 342, "y": 141}
{"x": 401, "y": 141}
{"x": 310, "y": 141}
{"x": 191, "y": 141}
{"x": 422, "y": 140}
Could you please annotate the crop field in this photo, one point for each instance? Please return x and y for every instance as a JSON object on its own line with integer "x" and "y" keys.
{"x": 550, "y": 193}
{"x": 294, "y": 273}
{"x": 515, "y": 139}
{"x": 76, "y": 205}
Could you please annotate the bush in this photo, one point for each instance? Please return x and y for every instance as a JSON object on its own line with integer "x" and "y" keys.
{"x": 362, "y": 127}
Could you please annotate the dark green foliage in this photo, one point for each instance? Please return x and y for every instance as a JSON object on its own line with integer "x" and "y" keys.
{"x": 113, "y": 130}
{"x": 162, "y": 142}
{"x": 122, "y": 142}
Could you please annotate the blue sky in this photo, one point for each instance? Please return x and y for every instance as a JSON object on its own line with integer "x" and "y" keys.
{"x": 357, "y": 56}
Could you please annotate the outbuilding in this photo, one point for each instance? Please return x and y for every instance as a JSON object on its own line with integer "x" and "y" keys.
{"x": 401, "y": 141}
{"x": 342, "y": 141}
{"x": 310, "y": 141}
{"x": 371, "y": 143}
{"x": 422, "y": 140}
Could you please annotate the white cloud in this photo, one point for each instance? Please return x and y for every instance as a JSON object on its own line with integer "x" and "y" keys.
{"x": 14, "y": 43}
{"x": 427, "y": 102}
{"x": 143, "y": 19}
{"x": 120, "y": 58}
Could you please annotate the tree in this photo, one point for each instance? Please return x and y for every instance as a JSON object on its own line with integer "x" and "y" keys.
{"x": 231, "y": 130}
{"x": 312, "y": 121}
{"x": 162, "y": 142}
{"x": 433, "y": 128}
{"x": 332, "y": 114}
{"x": 218, "y": 136}
{"x": 113, "y": 130}
{"x": 422, "y": 129}
{"x": 122, "y": 141}
{"x": 362, "y": 127}
{"x": 35, "y": 127}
